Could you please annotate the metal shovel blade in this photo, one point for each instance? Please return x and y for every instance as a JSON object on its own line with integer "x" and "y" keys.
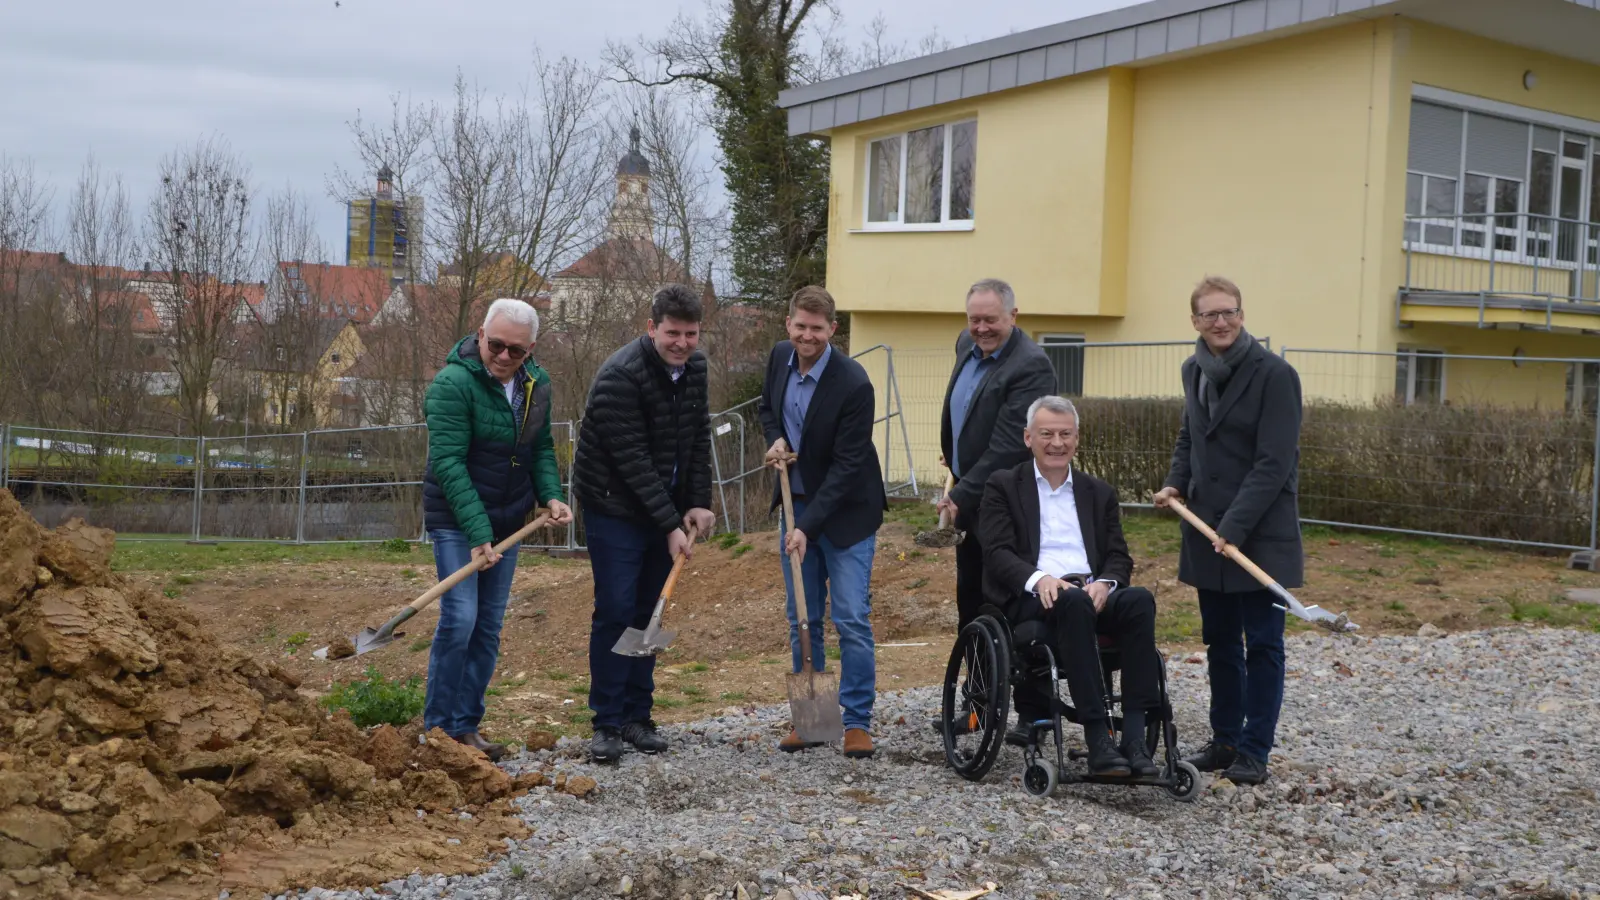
{"x": 372, "y": 638}
{"x": 944, "y": 537}
{"x": 814, "y": 706}
{"x": 1316, "y": 615}
{"x": 644, "y": 641}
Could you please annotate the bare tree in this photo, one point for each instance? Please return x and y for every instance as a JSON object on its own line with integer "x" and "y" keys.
{"x": 402, "y": 146}
{"x": 104, "y": 336}
{"x": 560, "y": 172}
{"x": 24, "y": 211}
{"x": 198, "y": 227}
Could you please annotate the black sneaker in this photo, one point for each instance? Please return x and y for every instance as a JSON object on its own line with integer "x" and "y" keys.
{"x": 606, "y": 745}
{"x": 1246, "y": 769}
{"x": 643, "y": 737}
{"x": 1139, "y": 761}
{"x": 1213, "y": 757}
{"x": 1103, "y": 759}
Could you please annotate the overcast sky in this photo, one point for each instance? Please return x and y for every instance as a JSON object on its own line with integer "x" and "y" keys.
{"x": 279, "y": 79}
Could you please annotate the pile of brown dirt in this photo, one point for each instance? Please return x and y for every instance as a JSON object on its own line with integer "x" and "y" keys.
{"x": 140, "y": 751}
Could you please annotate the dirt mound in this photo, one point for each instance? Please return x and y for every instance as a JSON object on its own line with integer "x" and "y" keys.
{"x": 141, "y": 754}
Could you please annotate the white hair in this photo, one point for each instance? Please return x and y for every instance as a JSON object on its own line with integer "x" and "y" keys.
{"x": 518, "y": 311}
{"x": 1008, "y": 297}
{"x": 1054, "y": 404}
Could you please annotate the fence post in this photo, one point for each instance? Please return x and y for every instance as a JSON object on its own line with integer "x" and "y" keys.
{"x": 900, "y": 412}
{"x": 1594, "y": 473}
{"x": 199, "y": 482}
{"x": 5, "y": 456}
{"x": 300, "y": 506}
{"x": 742, "y": 480}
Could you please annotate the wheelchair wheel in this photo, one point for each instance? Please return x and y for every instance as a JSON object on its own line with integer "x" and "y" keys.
{"x": 976, "y": 698}
{"x": 1040, "y": 778}
{"x": 1185, "y": 784}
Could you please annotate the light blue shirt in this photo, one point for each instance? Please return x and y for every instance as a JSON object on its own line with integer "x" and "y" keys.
{"x": 972, "y": 371}
{"x": 796, "y": 401}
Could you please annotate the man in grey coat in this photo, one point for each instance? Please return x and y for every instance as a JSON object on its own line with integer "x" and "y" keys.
{"x": 1236, "y": 466}
{"x": 999, "y": 371}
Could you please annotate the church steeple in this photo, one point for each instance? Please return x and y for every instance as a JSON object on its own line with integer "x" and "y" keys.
{"x": 630, "y": 211}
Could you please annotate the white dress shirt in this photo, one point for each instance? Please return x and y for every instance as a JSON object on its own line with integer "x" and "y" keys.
{"x": 1061, "y": 548}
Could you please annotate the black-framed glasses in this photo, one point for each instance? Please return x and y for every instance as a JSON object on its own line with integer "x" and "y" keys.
{"x": 1214, "y": 315}
{"x": 512, "y": 350}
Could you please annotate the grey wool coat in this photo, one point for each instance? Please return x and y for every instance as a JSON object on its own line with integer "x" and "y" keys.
{"x": 1238, "y": 470}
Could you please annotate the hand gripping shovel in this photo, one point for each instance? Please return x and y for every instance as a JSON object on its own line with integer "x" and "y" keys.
{"x": 947, "y": 535}
{"x": 652, "y": 639}
{"x": 1316, "y": 615}
{"x": 370, "y": 639}
{"x": 813, "y": 696}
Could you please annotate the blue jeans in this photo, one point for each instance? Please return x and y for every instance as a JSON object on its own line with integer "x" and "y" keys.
{"x": 466, "y": 645}
{"x": 1246, "y": 675}
{"x": 846, "y": 572}
{"x": 630, "y": 564}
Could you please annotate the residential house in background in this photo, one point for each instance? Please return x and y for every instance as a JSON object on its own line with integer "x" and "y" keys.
{"x": 1419, "y": 176}
{"x": 293, "y": 378}
{"x": 320, "y": 290}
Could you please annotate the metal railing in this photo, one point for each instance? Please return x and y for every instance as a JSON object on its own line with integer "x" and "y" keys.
{"x": 1510, "y": 260}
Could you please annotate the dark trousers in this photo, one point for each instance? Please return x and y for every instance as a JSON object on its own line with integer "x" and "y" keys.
{"x": 630, "y": 564}
{"x": 969, "y": 577}
{"x": 1129, "y": 616}
{"x": 1243, "y": 634}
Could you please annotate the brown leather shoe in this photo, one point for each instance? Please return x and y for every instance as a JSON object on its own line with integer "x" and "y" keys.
{"x": 857, "y": 743}
{"x": 476, "y": 741}
{"x": 792, "y": 743}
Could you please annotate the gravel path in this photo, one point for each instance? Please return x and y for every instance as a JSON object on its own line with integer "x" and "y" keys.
{"x": 1429, "y": 766}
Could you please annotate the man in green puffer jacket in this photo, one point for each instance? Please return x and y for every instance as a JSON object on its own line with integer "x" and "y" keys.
{"x": 491, "y": 460}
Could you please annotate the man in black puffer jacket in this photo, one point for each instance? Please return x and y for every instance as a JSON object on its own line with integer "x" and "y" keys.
{"x": 643, "y": 477}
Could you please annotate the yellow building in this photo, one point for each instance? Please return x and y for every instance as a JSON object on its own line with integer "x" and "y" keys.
{"x": 1341, "y": 160}
{"x": 296, "y": 373}
{"x": 384, "y": 229}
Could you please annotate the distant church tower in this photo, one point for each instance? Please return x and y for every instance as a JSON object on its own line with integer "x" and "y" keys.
{"x": 630, "y": 211}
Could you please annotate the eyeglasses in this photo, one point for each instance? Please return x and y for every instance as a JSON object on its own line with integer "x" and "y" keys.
{"x": 1214, "y": 315}
{"x": 512, "y": 350}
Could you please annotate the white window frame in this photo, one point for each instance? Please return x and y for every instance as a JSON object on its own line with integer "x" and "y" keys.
{"x": 945, "y": 223}
{"x": 1410, "y": 398}
{"x": 1491, "y": 229}
{"x": 1452, "y": 222}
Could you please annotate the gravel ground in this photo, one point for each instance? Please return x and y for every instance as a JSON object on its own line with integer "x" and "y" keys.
{"x": 1427, "y": 766}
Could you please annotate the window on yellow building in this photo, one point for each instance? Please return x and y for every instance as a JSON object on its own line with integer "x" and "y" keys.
{"x": 923, "y": 178}
{"x": 1065, "y": 352}
{"x": 1583, "y": 388}
{"x": 1419, "y": 376}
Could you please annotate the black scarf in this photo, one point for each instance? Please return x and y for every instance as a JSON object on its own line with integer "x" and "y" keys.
{"x": 1216, "y": 371}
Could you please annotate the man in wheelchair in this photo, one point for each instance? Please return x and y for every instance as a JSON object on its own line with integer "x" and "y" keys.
{"x": 1054, "y": 556}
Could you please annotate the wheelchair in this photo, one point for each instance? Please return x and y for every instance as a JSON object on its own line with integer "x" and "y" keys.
{"x": 989, "y": 660}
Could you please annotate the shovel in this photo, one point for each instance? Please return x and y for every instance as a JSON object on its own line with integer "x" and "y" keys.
{"x": 652, "y": 639}
{"x": 947, "y": 535}
{"x": 1316, "y": 615}
{"x": 813, "y": 696}
{"x": 370, "y": 639}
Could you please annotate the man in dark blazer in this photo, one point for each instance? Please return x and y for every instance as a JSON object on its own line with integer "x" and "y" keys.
{"x": 1054, "y": 551}
{"x": 819, "y": 405}
{"x": 999, "y": 371}
{"x": 1237, "y": 467}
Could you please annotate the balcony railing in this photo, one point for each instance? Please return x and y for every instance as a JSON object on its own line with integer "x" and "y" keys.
{"x": 1510, "y": 260}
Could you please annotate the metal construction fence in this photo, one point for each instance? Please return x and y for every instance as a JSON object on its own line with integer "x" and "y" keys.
{"x": 1488, "y": 448}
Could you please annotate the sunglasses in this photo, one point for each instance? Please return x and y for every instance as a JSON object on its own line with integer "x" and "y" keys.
{"x": 512, "y": 350}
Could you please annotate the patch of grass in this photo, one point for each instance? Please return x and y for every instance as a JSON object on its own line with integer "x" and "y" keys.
{"x": 184, "y": 579}
{"x": 1427, "y": 580}
{"x": 726, "y": 540}
{"x": 1388, "y": 552}
{"x": 180, "y": 556}
{"x": 919, "y": 583}
{"x": 733, "y": 695}
{"x": 691, "y": 690}
{"x": 420, "y": 644}
{"x": 740, "y": 656}
{"x": 408, "y": 573}
{"x": 581, "y": 687}
{"x": 1177, "y": 624}
{"x": 557, "y": 675}
{"x": 919, "y": 516}
{"x": 1558, "y": 612}
{"x": 378, "y": 700}
{"x": 1533, "y": 837}
{"x": 696, "y": 668}
{"x": 518, "y": 871}
{"x": 1395, "y": 606}
{"x": 831, "y": 652}
{"x": 396, "y": 545}
{"x": 297, "y": 640}
{"x": 769, "y": 661}
{"x": 493, "y": 692}
{"x": 917, "y": 554}
{"x": 668, "y": 702}
{"x": 270, "y": 633}
{"x": 741, "y": 550}
{"x": 1374, "y": 570}
{"x": 581, "y": 717}
{"x": 172, "y": 593}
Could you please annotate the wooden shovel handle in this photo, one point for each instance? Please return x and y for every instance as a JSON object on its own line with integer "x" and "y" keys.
{"x": 1233, "y": 553}
{"x": 944, "y": 515}
{"x": 461, "y": 574}
{"x": 677, "y": 566}
{"x": 802, "y": 611}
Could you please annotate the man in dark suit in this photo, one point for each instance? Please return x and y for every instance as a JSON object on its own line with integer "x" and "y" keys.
{"x": 999, "y": 371}
{"x": 1054, "y": 551}
{"x": 1237, "y": 464}
{"x": 819, "y": 404}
